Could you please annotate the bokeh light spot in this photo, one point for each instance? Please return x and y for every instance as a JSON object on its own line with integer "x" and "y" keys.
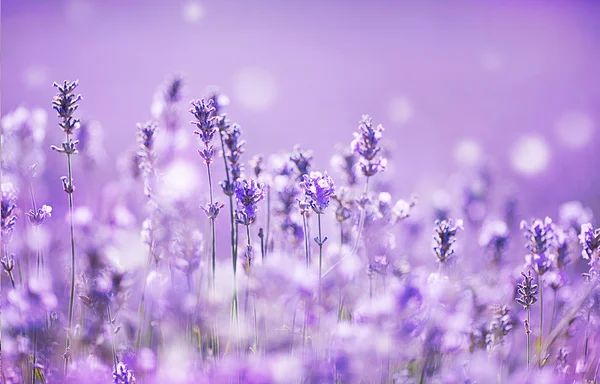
{"x": 574, "y": 129}
{"x": 400, "y": 110}
{"x": 530, "y": 155}
{"x": 467, "y": 152}
{"x": 255, "y": 88}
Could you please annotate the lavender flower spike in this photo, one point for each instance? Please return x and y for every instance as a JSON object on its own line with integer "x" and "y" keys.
{"x": 589, "y": 238}
{"x": 37, "y": 218}
{"x": 540, "y": 237}
{"x": 527, "y": 290}
{"x": 318, "y": 188}
{"x": 445, "y": 236}
{"x": 248, "y": 194}
{"x": 366, "y": 144}
{"x": 204, "y": 112}
{"x": 122, "y": 375}
{"x": 8, "y": 205}
{"x": 145, "y": 136}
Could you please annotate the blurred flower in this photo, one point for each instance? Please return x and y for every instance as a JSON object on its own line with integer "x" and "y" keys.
{"x": 37, "y": 218}
{"x": 494, "y": 238}
{"x": 366, "y": 145}
{"x": 7, "y": 206}
{"x": 445, "y": 236}
{"x": 573, "y": 214}
{"x": 589, "y": 238}
{"x": 540, "y": 237}
{"x": 500, "y": 326}
{"x": 145, "y": 137}
{"x": 302, "y": 159}
{"x": 248, "y": 194}
{"x": 234, "y": 149}
{"x": 345, "y": 161}
{"x": 318, "y": 188}
{"x": 122, "y": 375}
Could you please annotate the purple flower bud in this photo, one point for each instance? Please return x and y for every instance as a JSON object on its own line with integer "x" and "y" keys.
{"x": 445, "y": 236}
{"x": 36, "y": 218}
{"x": 366, "y": 145}
{"x": 318, "y": 188}
{"x": 65, "y": 104}
{"x": 8, "y": 205}
{"x": 527, "y": 291}
{"x": 122, "y": 375}
{"x": 248, "y": 194}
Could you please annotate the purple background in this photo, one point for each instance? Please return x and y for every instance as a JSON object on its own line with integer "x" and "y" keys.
{"x": 489, "y": 71}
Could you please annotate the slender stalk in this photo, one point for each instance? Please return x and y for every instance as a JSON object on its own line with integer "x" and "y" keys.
{"x": 320, "y": 256}
{"x": 233, "y": 233}
{"x": 553, "y": 310}
{"x": 72, "y": 231}
{"x": 268, "y": 230}
{"x": 306, "y": 241}
{"x": 112, "y": 338}
{"x": 212, "y": 228}
{"x": 361, "y": 221}
{"x": 587, "y": 336}
{"x": 541, "y": 316}
{"x": 341, "y": 234}
{"x": 528, "y": 337}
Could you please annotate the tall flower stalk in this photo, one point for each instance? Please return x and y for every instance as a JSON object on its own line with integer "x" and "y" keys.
{"x": 366, "y": 146}
{"x": 232, "y": 148}
{"x": 203, "y": 111}
{"x": 540, "y": 237}
{"x": 65, "y": 105}
{"x": 318, "y": 189}
{"x": 528, "y": 292}
{"x": 248, "y": 194}
{"x": 9, "y": 221}
{"x": 146, "y": 134}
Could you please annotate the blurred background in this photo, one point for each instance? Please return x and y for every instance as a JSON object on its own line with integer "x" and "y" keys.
{"x": 511, "y": 85}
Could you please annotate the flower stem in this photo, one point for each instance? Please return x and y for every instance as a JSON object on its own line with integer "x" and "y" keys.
{"x": 72, "y": 230}
{"x": 306, "y": 241}
{"x": 528, "y": 337}
{"x": 361, "y": 221}
{"x": 212, "y": 229}
{"x": 233, "y": 231}
{"x": 541, "y": 316}
{"x": 553, "y": 310}
{"x": 320, "y": 256}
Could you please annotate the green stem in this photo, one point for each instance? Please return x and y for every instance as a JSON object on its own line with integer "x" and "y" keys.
{"x": 72, "y": 291}
{"x": 361, "y": 221}
{"x": 306, "y": 241}
{"x": 212, "y": 228}
{"x": 541, "y": 284}
{"x": 528, "y": 331}
{"x": 320, "y": 256}
{"x": 553, "y": 310}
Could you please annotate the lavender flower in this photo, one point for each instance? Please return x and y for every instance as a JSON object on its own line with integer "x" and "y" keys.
{"x": 164, "y": 105}
{"x": 37, "y": 217}
{"x": 366, "y": 145}
{"x": 122, "y": 375}
{"x": 561, "y": 243}
{"x": 345, "y": 161}
{"x": 445, "y": 236}
{"x": 500, "y": 326}
{"x": 573, "y": 214}
{"x": 65, "y": 104}
{"x": 234, "y": 149}
{"x": 8, "y": 205}
{"x": 540, "y": 237}
{"x": 203, "y": 111}
{"x": 318, "y": 188}
{"x": 589, "y": 238}
{"x": 145, "y": 136}
{"x": 248, "y": 194}
{"x": 257, "y": 165}
{"x": 527, "y": 291}
{"x": 302, "y": 159}
{"x": 494, "y": 238}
